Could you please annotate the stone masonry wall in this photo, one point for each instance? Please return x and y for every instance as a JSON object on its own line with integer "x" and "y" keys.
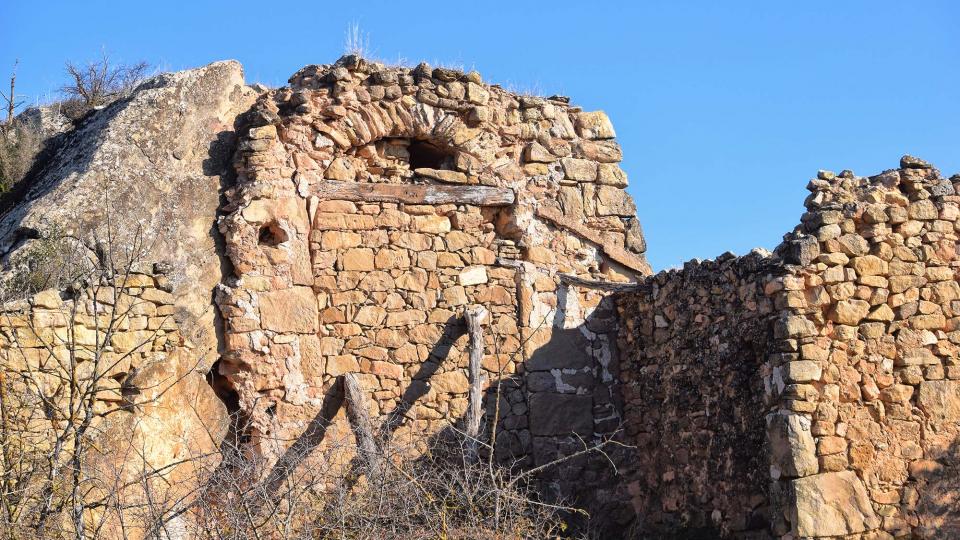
{"x": 152, "y": 409}
{"x": 38, "y": 336}
{"x": 373, "y": 205}
{"x": 814, "y": 393}
{"x": 872, "y": 372}
{"x": 693, "y": 367}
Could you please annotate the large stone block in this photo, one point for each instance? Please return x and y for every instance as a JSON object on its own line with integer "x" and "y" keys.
{"x": 792, "y": 448}
{"x": 830, "y": 504}
{"x": 561, "y": 414}
{"x": 940, "y": 400}
{"x": 289, "y": 310}
{"x": 850, "y": 312}
{"x": 612, "y": 201}
{"x": 594, "y": 125}
{"x": 565, "y": 348}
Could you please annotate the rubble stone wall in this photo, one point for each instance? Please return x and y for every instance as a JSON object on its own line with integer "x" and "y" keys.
{"x": 694, "y": 344}
{"x": 870, "y": 363}
{"x": 152, "y": 409}
{"x": 374, "y": 204}
{"x": 810, "y": 393}
{"x": 43, "y": 335}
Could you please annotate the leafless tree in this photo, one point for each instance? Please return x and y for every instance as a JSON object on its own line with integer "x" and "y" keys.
{"x": 98, "y": 82}
{"x": 19, "y": 144}
{"x": 11, "y": 99}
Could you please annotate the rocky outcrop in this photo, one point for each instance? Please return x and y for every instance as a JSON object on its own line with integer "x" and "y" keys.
{"x": 138, "y": 181}
{"x": 150, "y": 168}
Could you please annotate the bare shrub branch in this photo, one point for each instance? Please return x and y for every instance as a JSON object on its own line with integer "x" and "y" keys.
{"x": 99, "y": 82}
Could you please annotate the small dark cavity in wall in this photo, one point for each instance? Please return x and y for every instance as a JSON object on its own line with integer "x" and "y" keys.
{"x": 272, "y": 234}
{"x": 425, "y": 154}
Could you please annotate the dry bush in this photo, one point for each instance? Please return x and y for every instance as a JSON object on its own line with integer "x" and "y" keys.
{"x": 99, "y": 82}
{"x": 356, "y": 41}
{"x": 60, "y": 381}
{"x": 19, "y": 145}
{"x": 427, "y": 487}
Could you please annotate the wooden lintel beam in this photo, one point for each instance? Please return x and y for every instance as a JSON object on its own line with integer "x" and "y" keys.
{"x": 414, "y": 193}
{"x": 597, "y": 284}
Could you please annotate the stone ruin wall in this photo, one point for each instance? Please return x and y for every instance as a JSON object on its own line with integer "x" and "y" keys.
{"x": 373, "y": 205}
{"x": 694, "y": 344}
{"x": 841, "y": 349}
{"x": 120, "y": 342}
{"x": 813, "y": 392}
{"x": 875, "y": 365}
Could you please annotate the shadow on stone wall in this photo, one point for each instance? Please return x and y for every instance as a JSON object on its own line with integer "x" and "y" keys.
{"x": 938, "y": 489}
{"x": 556, "y": 405}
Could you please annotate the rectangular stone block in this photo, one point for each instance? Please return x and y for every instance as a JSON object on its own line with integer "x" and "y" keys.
{"x": 289, "y": 310}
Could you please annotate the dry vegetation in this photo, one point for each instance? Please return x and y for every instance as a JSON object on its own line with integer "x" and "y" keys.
{"x": 90, "y": 86}
{"x": 19, "y": 145}
{"x": 53, "y": 421}
{"x": 99, "y": 82}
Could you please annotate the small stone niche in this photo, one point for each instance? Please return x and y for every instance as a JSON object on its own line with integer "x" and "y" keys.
{"x": 272, "y": 234}
{"x": 427, "y": 155}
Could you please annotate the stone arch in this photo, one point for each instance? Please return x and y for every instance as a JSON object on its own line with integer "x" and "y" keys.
{"x": 473, "y": 148}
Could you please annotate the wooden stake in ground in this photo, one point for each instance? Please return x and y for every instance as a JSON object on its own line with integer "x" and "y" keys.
{"x": 475, "y": 316}
{"x": 357, "y": 413}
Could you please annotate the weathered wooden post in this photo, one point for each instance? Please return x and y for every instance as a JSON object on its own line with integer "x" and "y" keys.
{"x": 475, "y": 316}
{"x": 357, "y": 413}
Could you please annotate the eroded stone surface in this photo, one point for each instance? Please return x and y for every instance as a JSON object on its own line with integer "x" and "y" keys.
{"x": 152, "y": 165}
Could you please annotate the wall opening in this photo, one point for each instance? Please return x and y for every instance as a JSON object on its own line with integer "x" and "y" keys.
{"x": 272, "y": 234}
{"x": 238, "y": 433}
{"x": 425, "y": 154}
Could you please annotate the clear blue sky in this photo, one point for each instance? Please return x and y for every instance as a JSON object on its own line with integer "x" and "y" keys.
{"x": 724, "y": 110}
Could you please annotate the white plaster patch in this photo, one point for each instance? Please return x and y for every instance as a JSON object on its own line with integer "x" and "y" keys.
{"x": 473, "y": 275}
{"x": 558, "y": 381}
